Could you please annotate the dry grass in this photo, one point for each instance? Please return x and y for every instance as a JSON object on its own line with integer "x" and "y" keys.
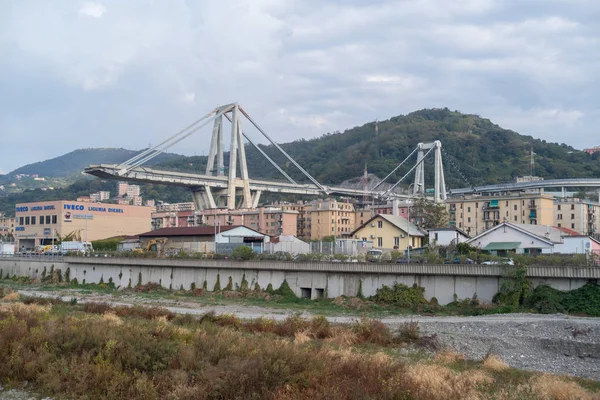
{"x": 434, "y": 381}
{"x": 112, "y": 319}
{"x": 14, "y": 296}
{"x": 493, "y": 362}
{"x": 549, "y": 387}
{"x": 145, "y": 354}
{"x": 448, "y": 356}
{"x": 301, "y": 337}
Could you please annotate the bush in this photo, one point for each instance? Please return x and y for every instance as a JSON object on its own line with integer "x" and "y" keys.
{"x": 401, "y": 295}
{"x": 372, "y": 331}
{"x": 546, "y": 300}
{"x": 243, "y": 253}
{"x": 514, "y": 288}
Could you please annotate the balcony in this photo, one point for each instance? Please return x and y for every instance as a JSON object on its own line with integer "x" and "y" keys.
{"x": 491, "y": 205}
{"x": 532, "y": 215}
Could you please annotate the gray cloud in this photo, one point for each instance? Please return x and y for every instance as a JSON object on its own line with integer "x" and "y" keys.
{"x": 125, "y": 74}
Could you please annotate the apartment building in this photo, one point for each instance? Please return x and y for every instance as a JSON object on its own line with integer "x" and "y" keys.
{"x": 7, "y": 227}
{"x": 476, "y": 214}
{"x": 272, "y": 221}
{"x": 329, "y": 217}
{"x": 578, "y": 215}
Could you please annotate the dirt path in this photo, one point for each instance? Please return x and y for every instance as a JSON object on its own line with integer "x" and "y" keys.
{"x": 559, "y": 344}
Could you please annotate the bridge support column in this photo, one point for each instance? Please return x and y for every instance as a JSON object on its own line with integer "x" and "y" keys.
{"x": 440, "y": 181}
{"x": 419, "y": 187}
{"x": 256, "y": 198}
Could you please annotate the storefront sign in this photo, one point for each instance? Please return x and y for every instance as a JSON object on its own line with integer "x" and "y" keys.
{"x": 82, "y": 216}
{"x": 47, "y": 231}
{"x": 34, "y": 208}
{"x": 26, "y": 235}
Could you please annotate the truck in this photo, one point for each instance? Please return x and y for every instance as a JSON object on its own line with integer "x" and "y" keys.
{"x": 76, "y": 247}
{"x": 7, "y": 249}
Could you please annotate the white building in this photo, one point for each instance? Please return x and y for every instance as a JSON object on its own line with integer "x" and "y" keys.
{"x": 104, "y": 195}
{"x": 518, "y": 238}
{"x": 447, "y": 236}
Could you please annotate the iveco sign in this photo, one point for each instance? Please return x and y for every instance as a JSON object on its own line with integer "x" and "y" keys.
{"x": 74, "y": 207}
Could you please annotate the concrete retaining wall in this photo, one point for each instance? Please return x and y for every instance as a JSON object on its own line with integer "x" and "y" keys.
{"x": 305, "y": 279}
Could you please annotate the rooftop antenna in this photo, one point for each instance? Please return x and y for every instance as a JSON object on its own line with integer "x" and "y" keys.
{"x": 532, "y": 166}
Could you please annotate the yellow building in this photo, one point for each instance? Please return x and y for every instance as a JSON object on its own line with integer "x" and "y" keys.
{"x": 576, "y": 214}
{"x": 476, "y": 214}
{"x": 390, "y": 232}
{"x": 328, "y": 217}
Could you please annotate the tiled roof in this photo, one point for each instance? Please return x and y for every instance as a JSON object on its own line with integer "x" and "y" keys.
{"x": 189, "y": 231}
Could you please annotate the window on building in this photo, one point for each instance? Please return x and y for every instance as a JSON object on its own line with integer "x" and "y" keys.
{"x": 515, "y": 207}
{"x": 27, "y": 220}
{"x": 572, "y": 216}
{"x": 559, "y": 207}
{"x": 460, "y": 224}
{"x": 559, "y": 225}
{"x": 396, "y": 241}
{"x": 515, "y": 218}
{"x": 559, "y": 216}
{"x": 379, "y": 242}
{"x": 41, "y": 220}
{"x": 507, "y": 213}
{"x": 54, "y": 219}
{"x": 468, "y": 209}
{"x": 506, "y": 203}
{"x": 572, "y": 206}
{"x": 476, "y": 205}
{"x": 469, "y": 219}
{"x": 572, "y": 226}
{"x": 380, "y": 224}
{"x": 33, "y": 220}
{"x": 364, "y": 239}
{"x": 21, "y": 221}
{"x": 435, "y": 236}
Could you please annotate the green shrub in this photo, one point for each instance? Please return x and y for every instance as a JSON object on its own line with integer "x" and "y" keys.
{"x": 217, "y": 287}
{"x": 229, "y": 286}
{"x": 243, "y": 253}
{"x": 360, "y": 294}
{"x": 515, "y": 287}
{"x": 284, "y": 290}
{"x": 401, "y": 295}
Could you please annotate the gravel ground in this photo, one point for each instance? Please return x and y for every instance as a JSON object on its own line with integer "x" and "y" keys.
{"x": 559, "y": 344}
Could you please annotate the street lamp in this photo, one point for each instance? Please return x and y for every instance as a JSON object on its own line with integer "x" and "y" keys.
{"x": 408, "y": 203}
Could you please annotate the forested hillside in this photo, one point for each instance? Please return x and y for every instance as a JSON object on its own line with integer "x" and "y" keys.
{"x": 483, "y": 151}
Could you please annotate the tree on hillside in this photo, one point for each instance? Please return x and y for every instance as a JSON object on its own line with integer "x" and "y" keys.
{"x": 428, "y": 214}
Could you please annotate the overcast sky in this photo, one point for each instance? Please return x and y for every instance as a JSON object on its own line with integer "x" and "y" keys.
{"x": 77, "y": 74}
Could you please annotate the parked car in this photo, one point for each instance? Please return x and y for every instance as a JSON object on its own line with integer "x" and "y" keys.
{"x": 458, "y": 260}
{"x": 504, "y": 261}
{"x": 407, "y": 261}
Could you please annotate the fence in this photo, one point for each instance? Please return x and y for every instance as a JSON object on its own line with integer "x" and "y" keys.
{"x": 227, "y": 248}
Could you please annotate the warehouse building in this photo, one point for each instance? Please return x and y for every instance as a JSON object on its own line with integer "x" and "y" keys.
{"x": 40, "y": 223}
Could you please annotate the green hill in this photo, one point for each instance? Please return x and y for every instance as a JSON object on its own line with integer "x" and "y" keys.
{"x": 481, "y": 150}
{"x": 74, "y": 162}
